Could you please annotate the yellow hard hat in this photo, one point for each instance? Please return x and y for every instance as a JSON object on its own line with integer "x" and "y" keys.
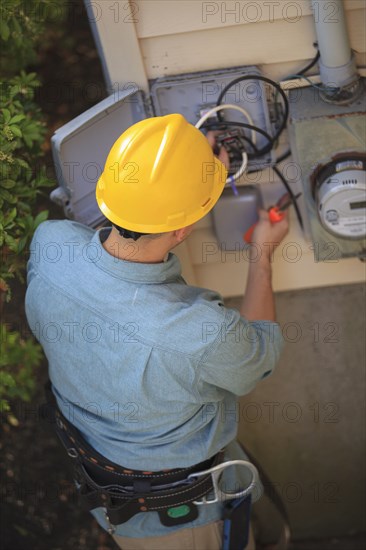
{"x": 160, "y": 175}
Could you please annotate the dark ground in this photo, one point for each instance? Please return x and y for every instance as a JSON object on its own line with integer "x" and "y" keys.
{"x": 39, "y": 509}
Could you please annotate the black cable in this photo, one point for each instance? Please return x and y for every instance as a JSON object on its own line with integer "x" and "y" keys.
{"x": 311, "y": 64}
{"x": 283, "y": 156}
{"x": 272, "y": 83}
{"x": 291, "y": 193}
{"x": 260, "y": 152}
{"x": 285, "y": 100}
{"x": 254, "y": 147}
{"x": 302, "y": 72}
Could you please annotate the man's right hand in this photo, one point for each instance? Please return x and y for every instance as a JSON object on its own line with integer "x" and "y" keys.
{"x": 223, "y": 154}
{"x": 258, "y": 301}
{"x": 269, "y": 235}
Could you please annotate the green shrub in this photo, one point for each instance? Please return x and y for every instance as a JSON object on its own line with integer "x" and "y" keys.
{"x": 22, "y": 134}
{"x": 22, "y": 29}
{"x": 18, "y": 359}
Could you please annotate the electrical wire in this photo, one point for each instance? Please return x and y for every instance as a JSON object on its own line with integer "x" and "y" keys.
{"x": 271, "y": 139}
{"x": 276, "y": 170}
{"x": 312, "y": 63}
{"x": 300, "y": 74}
{"x": 253, "y": 145}
{"x": 319, "y": 87}
{"x": 244, "y": 163}
{"x": 268, "y": 81}
{"x": 291, "y": 193}
{"x": 239, "y": 172}
{"x": 259, "y": 152}
{"x": 279, "y": 90}
{"x": 284, "y": 156}
{"x": 227, "y": 106}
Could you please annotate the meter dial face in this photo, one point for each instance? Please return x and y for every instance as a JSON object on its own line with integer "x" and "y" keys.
{"x": 341, "y": 203}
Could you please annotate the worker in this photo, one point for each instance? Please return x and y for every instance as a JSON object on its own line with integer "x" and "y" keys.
{"x": 145, "y": 369}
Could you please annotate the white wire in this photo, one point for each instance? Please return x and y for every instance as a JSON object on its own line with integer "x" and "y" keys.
{"x": 207, "y": 115}
{"x": 241, "y": 170}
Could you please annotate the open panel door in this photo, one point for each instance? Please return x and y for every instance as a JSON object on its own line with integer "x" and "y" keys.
{"x": 80, "y": 149}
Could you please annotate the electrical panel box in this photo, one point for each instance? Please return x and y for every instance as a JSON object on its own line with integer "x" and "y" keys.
{"x": 80, "y": 147}
{"x": 190, "y": 94}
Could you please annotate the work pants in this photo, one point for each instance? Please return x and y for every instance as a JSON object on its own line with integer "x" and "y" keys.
{"x": 206, "y": 537}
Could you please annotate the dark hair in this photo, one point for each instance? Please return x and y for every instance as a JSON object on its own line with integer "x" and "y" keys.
{"x": 128, "y": 234}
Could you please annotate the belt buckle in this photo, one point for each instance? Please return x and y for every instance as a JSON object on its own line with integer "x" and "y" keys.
{"x": 216, "y": 472}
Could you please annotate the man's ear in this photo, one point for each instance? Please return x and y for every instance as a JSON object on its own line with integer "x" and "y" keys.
{"x": 181, "y": 234}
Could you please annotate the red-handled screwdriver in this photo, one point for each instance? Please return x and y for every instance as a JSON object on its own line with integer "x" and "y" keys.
{"x": 275, "y": 213}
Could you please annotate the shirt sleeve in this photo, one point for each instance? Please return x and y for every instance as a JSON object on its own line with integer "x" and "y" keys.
{"x": 242, "y": 354}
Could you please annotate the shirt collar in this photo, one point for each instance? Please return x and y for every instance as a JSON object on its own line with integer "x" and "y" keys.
{"x": 163, "y": 272}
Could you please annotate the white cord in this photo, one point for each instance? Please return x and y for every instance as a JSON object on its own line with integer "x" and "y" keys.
{"x": 207, "y": 115}
{"x": 241, "y": 170}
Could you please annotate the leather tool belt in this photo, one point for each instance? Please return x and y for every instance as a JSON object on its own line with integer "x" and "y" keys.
{"x": 123, "y": 492}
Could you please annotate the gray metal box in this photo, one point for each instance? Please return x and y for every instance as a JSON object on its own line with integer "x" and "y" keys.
{"x": 234, "y": 215}
{"x": 80, "y": 149}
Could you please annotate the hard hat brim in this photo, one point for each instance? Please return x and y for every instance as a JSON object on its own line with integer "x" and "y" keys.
{"x": 174, "y": 222}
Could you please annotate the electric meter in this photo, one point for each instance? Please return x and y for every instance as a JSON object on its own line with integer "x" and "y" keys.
{"x": 340, "y": 194}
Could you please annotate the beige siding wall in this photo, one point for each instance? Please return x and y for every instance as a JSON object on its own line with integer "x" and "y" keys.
{"x": 188, "y": 35}
{"x": 143, "y": 39}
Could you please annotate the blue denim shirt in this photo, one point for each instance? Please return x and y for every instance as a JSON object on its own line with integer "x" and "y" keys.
{"x": 147, "y": 367}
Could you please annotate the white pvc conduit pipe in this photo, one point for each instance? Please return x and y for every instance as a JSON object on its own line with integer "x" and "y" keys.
{"x": 337, "y": 65}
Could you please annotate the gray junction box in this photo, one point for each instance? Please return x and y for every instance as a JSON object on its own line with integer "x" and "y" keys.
{"x": 81, "y": 146}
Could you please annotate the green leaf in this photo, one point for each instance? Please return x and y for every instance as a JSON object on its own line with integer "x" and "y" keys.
{"x": 16, "y": 131}
{"x": 21, "y": 244}
{"x": 4, "y": 406}
{"x": 7, "y": 184}
{"x": 4, "y": 194}
{"x": 42, "y": 216}
{"x": 10, "y": 216}
{"x": 23, "y": 163}
{"x": 16, "y": 118}
{"x": 7, "y": 115}
{"x": 14, "y": 90}
{"x": 11, "y": 242}
{"x": 17, "y": 27}
{"x": 24, "y": 206}
{"x": 6, "y": 379}
{"x": 28, "y": 141}
{"x": 4, "y": 30}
